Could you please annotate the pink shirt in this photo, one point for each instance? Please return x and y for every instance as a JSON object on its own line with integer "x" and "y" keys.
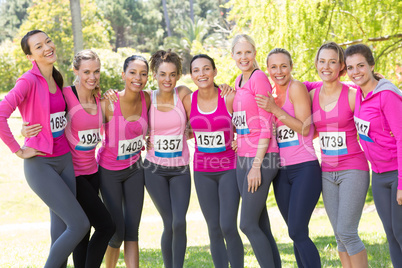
{"x": 83, "y": 133}
{"x": 213, "y": 133}
{"x": 123, "y": 140}
{"x": 376, "y": 117}
{"x": 166, "y": 131}
{"x": 31, "y": 96}
{"x": 294, "y": 148}
{"x": 252, "y": 123}
{"x": 340, "y": 149}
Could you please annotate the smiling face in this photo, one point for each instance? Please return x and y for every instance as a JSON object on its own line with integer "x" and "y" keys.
{"x": 166, "y": 76}
{"x": 203, "y": 73}
{"x": 43, "y": 50}
{"x": 279, "y": 68}
{"x": 244, "y": 55}
{"x": 328, "y": 65}
{"x": 136, "y": 75}
{"x": 359, "y": 71}
{"x": 88, "y": 74}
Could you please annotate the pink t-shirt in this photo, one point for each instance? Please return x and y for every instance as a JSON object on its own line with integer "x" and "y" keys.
{"x": 123, "y": 140}
{"x": 213, "y": 133}
{"x": 294, "y": 148}
{"x": 252, "y": 123}
{"x": 58, "y": 123}
{"x": 83, "y": 133}
{"x": 166, "y": 131}
{"x": 340, "y": 149}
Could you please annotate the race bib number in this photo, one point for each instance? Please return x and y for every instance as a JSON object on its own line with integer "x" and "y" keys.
{"x": 333, "y": 143}
{"x": 239, "y": 120}
{"x": 363, "y": 128}
{"x": 88, "y": 139}
{"x": 168, "y": 146}
{"x": 210, "y": 142}
{"x": 58, "y": 123}
{"x": 129, "y": 148}
{"x": 286, "y": 137}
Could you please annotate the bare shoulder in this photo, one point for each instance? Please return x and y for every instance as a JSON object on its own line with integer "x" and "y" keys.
{"x": 147, "y": 98}
{"x": 297, "y": 90}
{"x": 183, "y": 91}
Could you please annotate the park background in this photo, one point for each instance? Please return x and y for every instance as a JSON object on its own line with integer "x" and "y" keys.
{"x": 116, "y": 29}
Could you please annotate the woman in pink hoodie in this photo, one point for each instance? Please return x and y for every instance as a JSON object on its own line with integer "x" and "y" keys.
{"x": 377, "y": 119}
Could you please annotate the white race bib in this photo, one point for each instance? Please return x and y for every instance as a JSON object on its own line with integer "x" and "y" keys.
{"x": 58, "y": 123}
{"x": 129, "y": 148}
{"x": 286, "y": 137}
{"x": 88, "y": 139}
{"x": 239, "y": 120}
{"x": 210, "y": 142}
{"x": 363, "y": 128}
{"x": 168, "y": 146}
{"x": 333, "y": 143}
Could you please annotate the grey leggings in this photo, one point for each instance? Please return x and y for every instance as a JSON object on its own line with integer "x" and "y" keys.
{"x": 219, "y": 197}
{"x": 384, "y": 186}
{"x": 254, "y": 221}
{"x": 123, "y": 194}
{"x": 169, "y": 188}
{"x": 53, "y": 180}
{"x": 344, "y": 193}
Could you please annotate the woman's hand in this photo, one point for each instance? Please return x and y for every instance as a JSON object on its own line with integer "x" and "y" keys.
{"x": 111, "y": 95}
{"x": 254, "y": 179}
{"x": 266, "y": 103}
{"x": 30, "y": 131}
{"x": 28, "y": 152}
{"x": 225, "y": 89}
{"x": 234, "y": 146}
{"x": 399, "y": 197}
{"x": 149, "y": 144}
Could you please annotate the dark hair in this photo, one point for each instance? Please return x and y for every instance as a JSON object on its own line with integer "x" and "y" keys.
{"x": 58, "y": 78}
{"x": 86, "y": 54}
{"x": 162, "y": 56}
{"x": 279, "y": 50}
{"x": 366, "y": 52}
{"x": 203, "y": 56}
{"x": 338, "y": 49}
{"x": 133, "y": 58}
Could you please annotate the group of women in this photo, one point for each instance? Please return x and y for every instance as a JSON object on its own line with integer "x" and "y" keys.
{"x": 64, "y": 125}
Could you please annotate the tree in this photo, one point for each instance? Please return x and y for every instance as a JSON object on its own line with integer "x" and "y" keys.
{"x": 12, "y": 15}
{"x": 76, "y": 25}
{"x": 167, "y": 20}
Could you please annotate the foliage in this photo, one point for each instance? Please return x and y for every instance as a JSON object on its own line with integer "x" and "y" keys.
{"x": 9, "y": 73}
{"x": 12, "y": 15}
{"x": 302, "y": 26}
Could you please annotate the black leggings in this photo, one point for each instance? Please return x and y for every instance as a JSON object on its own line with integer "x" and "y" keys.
{"x": 219, "y": 198}
{"x": 89, "y": 253}
{"x": 169, "y": 188}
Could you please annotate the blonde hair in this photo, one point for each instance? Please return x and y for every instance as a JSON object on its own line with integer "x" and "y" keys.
{"x": 244, "y": 37}
{"x": 86, "y": 54}
{"x": 338, "y": 49}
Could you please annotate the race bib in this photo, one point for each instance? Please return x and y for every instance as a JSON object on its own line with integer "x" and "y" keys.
{"x": 286, "y": 137}
{"x": 58, "y": 123}
{"x": 240, "y": 122}
{"x": 333, "y": 143}
{"x": 168, "y": 146}
{"x": 88, "y": 139}
{"x": 363, "y": 128}
{"x": 129, "y": 148}
{"x": 210, "y": 142}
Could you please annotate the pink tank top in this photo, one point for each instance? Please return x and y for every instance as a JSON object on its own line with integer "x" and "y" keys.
{"x": 166, "y": 131}
{"x": 340, "y": 149}
{"x": 213, "y": 133}
{"x": 294, "y": 148}
{"x": 122, "y": 139}
{"x": 83, "y": 133}
{"x": 58, "y": 123}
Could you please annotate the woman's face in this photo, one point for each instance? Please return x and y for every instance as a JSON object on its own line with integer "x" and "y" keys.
{"x": 279, "y": 68}
{"x": 88, "y": 74}
{"x": 358, "y": 69}
{"x": 203, "y": 73}
{"x": 328, "y": 65}
{"x": 43, "y": 50}
{"x": 135, "y": 76}
{"x": 244, "y": 56}
{"x": 167, "y": 76}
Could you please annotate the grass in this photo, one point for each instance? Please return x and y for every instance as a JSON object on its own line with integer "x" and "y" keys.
{"x": 25, "y": 238}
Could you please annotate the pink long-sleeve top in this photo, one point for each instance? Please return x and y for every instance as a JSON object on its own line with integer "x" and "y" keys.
{"x": 31, "y": 96}
{"x": 252, "y": 123}
{"x": 376, "y": 116}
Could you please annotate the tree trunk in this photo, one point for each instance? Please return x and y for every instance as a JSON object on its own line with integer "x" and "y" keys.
{"x": 192, "y": 10}
{"x": 167, "y": 21}
{"x": 75, "y": 9}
